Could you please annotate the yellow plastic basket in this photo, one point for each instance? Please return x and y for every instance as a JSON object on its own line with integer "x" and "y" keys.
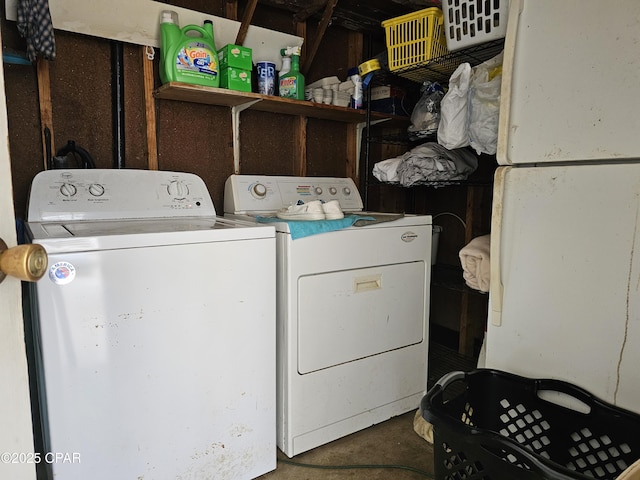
{"x": 415, "y": 38}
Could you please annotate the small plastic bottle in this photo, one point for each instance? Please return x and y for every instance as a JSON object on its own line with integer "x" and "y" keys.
{"x": 286, "y": 66}
{"x": 356, "y": 98}
{"x": 291, "y": 83}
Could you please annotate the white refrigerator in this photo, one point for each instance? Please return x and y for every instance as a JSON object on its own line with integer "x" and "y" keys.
{"x": 565, "y": 238}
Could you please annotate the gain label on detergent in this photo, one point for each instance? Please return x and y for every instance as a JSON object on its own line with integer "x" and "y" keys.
{"x": 197, "y": 57}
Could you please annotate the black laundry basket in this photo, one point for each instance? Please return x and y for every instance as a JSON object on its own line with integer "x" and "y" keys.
{"x": 493, "y": 425}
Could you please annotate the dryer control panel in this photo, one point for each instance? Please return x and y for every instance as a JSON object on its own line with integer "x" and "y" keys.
{"x": 263, "y": 194}
{"x": 113, "y": 194}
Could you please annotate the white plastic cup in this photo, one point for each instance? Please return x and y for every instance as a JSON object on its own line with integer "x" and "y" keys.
{"x": 318, "y": 95}
{"x": 327, "y": 96}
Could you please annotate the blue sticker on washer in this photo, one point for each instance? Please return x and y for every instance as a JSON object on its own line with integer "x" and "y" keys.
{"x": 62, "y": 273}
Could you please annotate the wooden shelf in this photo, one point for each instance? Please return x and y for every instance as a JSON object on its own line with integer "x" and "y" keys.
{"x": 267, "y": 103}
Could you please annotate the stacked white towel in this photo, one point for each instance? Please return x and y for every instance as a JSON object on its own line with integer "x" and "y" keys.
{"x": 476, "y": 265}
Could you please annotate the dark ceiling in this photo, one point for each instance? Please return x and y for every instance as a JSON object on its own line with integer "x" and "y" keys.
{"x": 360, "y": 15}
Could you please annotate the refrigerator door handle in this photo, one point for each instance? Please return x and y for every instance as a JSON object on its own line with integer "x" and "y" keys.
{"x": 504, "y": 120}
{"x": 495, "y": 285}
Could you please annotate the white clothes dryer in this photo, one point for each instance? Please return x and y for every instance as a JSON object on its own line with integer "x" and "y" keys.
{"x": 352, "y": 310}
{"x": 155, "y": 329}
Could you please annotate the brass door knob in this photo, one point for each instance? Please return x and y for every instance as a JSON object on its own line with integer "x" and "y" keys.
{"x": 26, "y": 262}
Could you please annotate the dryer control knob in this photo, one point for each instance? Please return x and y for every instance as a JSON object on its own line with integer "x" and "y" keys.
{"x": 259, "y": 190}
{"x": 178, "y": 189}
{"x": 346, "y": 191}
{"x": 333, "y": 190}
{"x": 68, "y": 189}
{"x": 318, "y": 191}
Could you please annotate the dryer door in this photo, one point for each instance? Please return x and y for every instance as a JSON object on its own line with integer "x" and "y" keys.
{"x": 353, "y": 314}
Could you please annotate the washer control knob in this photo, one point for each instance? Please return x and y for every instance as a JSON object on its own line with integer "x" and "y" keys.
{"x": 68, "y": 189}
{"x": 178, "y": 189}
{"x": 96, "y": 189}
{"x": 259, "y": 190}
{"x": 318, "y": 190}
{"x": 346, "y": 191}
{"x": 333, "y": 190}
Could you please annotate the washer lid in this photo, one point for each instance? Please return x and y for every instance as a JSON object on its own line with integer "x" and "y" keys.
{"x": 106, "y": 235}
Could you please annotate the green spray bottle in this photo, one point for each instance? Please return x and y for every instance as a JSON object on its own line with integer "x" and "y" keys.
{"x": 186, "y": 58}
{"x": 291, "y": 83}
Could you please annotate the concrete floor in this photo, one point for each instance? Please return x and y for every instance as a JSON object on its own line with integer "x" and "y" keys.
{"x": 393, "y": 442}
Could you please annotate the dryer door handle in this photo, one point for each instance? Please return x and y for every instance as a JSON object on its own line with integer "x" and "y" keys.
{"x": 367, "y": 283}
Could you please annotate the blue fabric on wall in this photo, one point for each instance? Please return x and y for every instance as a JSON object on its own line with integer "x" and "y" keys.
{"x": 304, "y": 228}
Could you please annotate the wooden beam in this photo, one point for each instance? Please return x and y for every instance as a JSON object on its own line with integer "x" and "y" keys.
{"x": 354, "y": 58}
{"x": 355, "y": 49}
{"x": 322, "y": 28}
{"x": 351, "y": 169}
{"x": 46, "y": 110}
{"x": 301, "y": 31}
{"x": 246, "y": 21}
{"x": 231, "y": 9}
{"x": 300, "y": 152}
{"x": 467, "y": 330}
{"x": 149, "y": 109}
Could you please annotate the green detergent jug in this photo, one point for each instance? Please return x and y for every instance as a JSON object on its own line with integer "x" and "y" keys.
{"x": 188, "y": 58}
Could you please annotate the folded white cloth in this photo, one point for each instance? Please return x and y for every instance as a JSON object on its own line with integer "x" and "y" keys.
{"x": 387, "y": 170}
{"x": 476, "y": 265}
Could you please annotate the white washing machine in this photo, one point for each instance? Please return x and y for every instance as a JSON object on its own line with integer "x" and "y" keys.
{"x": 352, "y": 311}
{"x": 155, "y": 333}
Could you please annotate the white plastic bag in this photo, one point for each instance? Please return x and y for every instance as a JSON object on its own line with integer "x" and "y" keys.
{"x": 426, "y": 114}
{"x": 484, "y": 105}
{"x": 453, "y": 130}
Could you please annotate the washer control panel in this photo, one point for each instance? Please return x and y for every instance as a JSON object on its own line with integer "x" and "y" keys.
{"x": 105, "y": 194}
{"x": 263, "y": 194}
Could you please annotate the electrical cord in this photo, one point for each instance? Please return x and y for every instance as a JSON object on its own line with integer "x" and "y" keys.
{"x": 453, "y": 215}
{"x": 364, "y": 466}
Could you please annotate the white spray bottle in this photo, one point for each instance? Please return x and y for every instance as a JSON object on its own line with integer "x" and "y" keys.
{"x": 291, "y": 82}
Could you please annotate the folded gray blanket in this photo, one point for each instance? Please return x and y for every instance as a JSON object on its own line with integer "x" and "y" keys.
{"x": 433, "y": 162}
{"x": 429, "y": 162}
